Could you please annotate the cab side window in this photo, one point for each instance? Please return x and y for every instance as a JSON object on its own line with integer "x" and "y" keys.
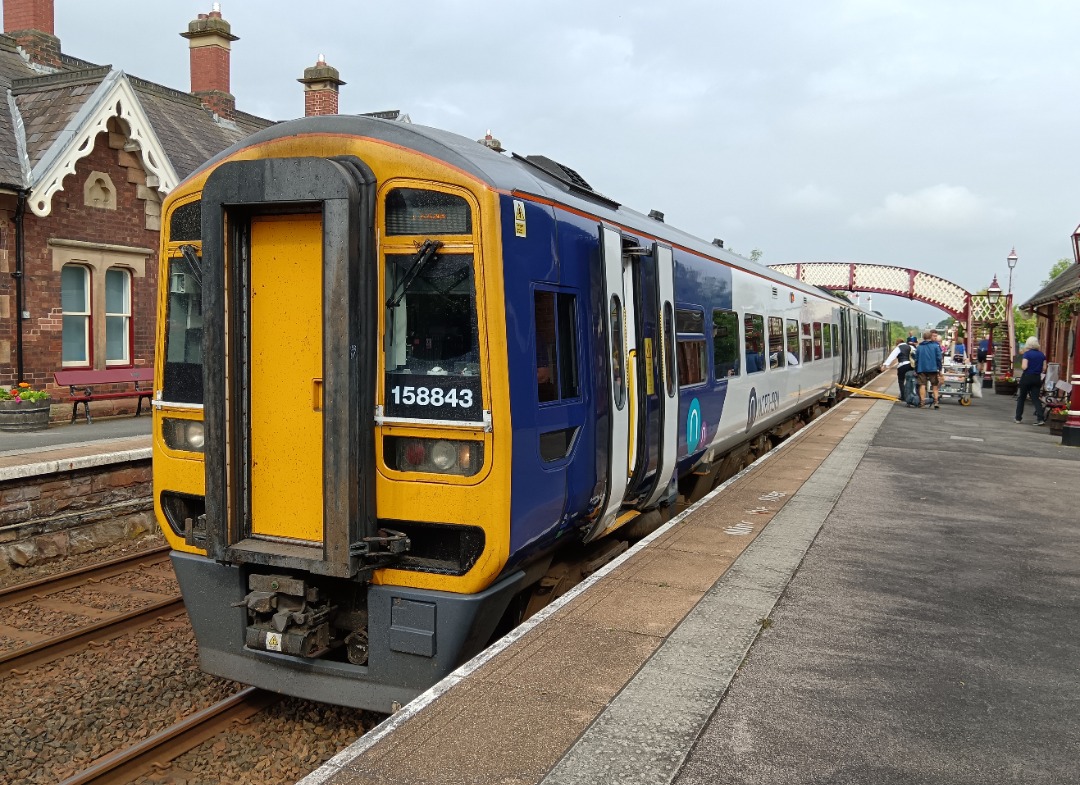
{"x": 556, "y": 345}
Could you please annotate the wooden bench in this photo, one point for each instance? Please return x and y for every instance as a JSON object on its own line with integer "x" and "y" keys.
{"x": 82, "y": 381}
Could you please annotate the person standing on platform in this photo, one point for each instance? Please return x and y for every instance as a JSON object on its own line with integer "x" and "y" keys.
{"x": 901, "y": 355}
{"x": 928, "y": 363}
{"x": 1031, "y": 364}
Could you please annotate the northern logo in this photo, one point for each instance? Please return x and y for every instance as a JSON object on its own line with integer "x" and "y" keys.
{"x": 751, "y": 409}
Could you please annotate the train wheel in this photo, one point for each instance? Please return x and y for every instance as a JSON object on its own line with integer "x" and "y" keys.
{"x": 965, "y": 401}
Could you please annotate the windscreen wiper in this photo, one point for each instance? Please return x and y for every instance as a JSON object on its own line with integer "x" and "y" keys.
{"x": 191, "y": 256}
{"x": 423, "y": 256}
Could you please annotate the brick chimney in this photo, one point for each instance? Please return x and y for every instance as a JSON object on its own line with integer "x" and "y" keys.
{"x": 209, "y": 41}
{"x": 321, "y": 85}
{"x": 30, "y": 23}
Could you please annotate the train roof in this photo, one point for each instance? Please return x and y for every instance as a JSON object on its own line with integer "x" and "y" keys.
{"x": 536, "y": 175}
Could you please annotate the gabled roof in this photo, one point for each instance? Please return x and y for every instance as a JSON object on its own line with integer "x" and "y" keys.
{"x": 52, "y": 119}
{"x": 13, "y": 174}
{"x": 1064, "y": 285}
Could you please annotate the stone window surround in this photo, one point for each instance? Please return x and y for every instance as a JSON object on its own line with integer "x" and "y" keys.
{"x": 99, "y": 257}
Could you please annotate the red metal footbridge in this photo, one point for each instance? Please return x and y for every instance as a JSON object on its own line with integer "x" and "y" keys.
{"x": 976, "y": 311}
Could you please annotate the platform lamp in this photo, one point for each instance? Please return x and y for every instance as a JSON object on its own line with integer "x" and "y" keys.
{"x": 993, "y": 296}
{"x": 1011, "y": 259}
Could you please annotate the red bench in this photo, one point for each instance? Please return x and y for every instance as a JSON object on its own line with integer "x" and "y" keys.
{"x": 82, "y": 381}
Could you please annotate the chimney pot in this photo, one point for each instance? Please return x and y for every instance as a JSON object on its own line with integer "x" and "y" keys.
{"x": 321, "y": 83}
{"x": 209, "y": 43}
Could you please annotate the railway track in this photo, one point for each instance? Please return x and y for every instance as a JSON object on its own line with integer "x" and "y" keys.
{"x": 164, "y": 747}
{"x": 24, "y": 592}
{"x": 41, "y": 648}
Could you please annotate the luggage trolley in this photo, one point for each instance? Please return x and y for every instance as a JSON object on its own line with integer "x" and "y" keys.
{"x": 956, "y": 380}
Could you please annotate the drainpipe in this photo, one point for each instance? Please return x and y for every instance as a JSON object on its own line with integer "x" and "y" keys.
{"x": 20, "y": 209}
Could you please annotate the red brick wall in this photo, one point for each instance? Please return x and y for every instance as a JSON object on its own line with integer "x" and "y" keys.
{"x": 209, "y": 69}
{"x": 28, "y": 15}
{"x": 70, "y": 219}
{"x": 320, "y": 102}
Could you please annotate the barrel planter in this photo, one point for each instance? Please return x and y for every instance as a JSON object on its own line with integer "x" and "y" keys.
{"x": 1056, "y": 422}
{"x": 1005, "y": 388}
{"x": 24, "y": 415}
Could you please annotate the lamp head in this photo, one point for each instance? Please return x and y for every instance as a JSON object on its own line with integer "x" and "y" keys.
{"x": 993, "y": 293}
{"x": 1011, "y": 258}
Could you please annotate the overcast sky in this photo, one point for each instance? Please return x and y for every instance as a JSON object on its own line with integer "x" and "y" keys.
{"x": 934, "y": 134}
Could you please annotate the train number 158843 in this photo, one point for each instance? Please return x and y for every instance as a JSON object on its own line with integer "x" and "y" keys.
{"x": 431, "y": 396}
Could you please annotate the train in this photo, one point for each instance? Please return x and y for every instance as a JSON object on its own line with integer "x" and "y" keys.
{"x": 401, "y": 375}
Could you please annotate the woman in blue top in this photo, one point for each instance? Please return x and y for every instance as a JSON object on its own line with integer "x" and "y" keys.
{"x": 1031, "y": 379}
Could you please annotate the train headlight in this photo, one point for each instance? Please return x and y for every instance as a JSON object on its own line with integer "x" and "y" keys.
{"x": 184, "y": 435}
{"x": 443, "y": 455}
{"x": 433, "y": 456}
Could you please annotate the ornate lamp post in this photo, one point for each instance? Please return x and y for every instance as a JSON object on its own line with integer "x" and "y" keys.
{"x": 1011, "y": 259}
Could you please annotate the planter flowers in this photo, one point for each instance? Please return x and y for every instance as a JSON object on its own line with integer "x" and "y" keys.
{"x": 1055, "y": 418}
{"x": 22, "y": 408}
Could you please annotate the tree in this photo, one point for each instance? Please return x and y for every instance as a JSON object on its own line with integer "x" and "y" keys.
{"x": 1024, "y": 325}
{"x": 1060, "y": 266}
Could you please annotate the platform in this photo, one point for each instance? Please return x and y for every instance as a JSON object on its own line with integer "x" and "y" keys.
{"x": 65, "y": 447}
{"x": 889, "y": 598}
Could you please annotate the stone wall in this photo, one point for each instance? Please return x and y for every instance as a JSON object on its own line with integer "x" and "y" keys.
{"x": 52, "y": 515}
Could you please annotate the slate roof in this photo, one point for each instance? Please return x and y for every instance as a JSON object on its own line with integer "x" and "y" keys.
{"x": 36, "y": 109}
{"x": 188, "y": 132}
{"x": 1065, "y": 284}
{"x": 49, "y": 103}
{"x": 12, "y": 67}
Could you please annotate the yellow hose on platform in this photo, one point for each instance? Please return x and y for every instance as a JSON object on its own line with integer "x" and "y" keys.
{"x": 869, "y": 393}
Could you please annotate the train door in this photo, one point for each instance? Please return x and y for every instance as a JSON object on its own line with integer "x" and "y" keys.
{"x": 845, "y": 346}
{"x": 285, "y": 350}
{"x": 290, "y": 309}
{"x": 620, "y": 351}
{"x": 667, "y": 386}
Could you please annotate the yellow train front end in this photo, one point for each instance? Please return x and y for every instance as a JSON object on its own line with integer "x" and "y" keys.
{"x": 331, "y": 438}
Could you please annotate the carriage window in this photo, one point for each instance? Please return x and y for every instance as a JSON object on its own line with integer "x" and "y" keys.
{"x": 754, "y": 326}
{"x": 792, "y": 342}
{"x": 692, "y": 359}
{"x": 817, "y": 341}
{"x": 556, "y": 345}
{"x": 665, "y": 348}
{"x": 835, "y": 339}
{"x": 807, "y": 344}
{"x": 420, "y": 212}
{"x": 776, "y": 342}
{"x": 725, "y": 334}
{"x": 827, "y": 337}
{"x": 618, "y": 381}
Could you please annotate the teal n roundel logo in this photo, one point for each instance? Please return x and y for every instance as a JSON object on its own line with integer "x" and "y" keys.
{"x": 693, "y": 426}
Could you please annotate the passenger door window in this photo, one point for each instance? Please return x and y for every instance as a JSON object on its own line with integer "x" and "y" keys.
{"x": 776, "y": 342}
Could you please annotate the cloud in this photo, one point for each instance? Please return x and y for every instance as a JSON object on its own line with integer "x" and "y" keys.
{"x": 937, "y": 207}
{"x": 811, "y": 198}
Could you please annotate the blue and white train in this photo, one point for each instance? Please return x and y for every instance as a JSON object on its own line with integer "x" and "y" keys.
{"x": 401, "y": 374}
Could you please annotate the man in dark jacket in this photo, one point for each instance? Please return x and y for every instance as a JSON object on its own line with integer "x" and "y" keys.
{"x": 928, "y": 363}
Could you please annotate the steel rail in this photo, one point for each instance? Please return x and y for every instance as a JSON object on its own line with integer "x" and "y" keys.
{"x": 125, "y": 765}
{"x": 62, "y": 645}
{"x": 23, "y": 592}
